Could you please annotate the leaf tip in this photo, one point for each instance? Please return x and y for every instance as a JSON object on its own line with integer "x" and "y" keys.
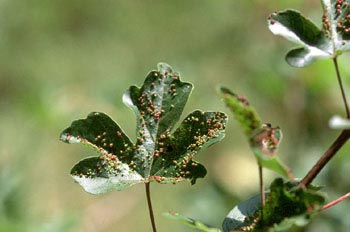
{"x": 225, "y": 90}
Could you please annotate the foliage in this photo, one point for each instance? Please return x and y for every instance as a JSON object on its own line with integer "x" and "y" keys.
{"x": 329, "y": 42}
{"x": 290, "y": 203}
{"x": 286, "y": 205}
{"x": 159, "y": 153}
{"x": 263, "y": 138}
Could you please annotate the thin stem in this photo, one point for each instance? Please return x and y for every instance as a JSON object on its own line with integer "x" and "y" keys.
{"x": 325, "y": 158}
{"x": 262, "y": 188}
{"x": 336, "y": 201}
{"x": 341, "y": 87}
{"x": 151, "y": 215}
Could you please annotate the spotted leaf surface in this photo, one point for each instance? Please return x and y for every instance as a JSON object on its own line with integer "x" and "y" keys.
{"x": 315, "y": 43}
{"x": 160, "y": 153}
{"x": 174, "y": 153}
{"x": 286, "y": 205}
{"x": 263, "y": 138}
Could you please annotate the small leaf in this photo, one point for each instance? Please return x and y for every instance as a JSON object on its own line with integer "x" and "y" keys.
{"x": 286, "y": 205}
{"x": 337, "y": 122}
{"x": 191, "y": 222}
{"x": 328, "y": 42}
{"x": 264, "y": 143}
{"x": 159, "y": 153}
{"x": 263, "y": 138}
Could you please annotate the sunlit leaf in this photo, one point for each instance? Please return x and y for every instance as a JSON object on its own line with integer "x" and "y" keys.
{"x": 243, "y": 216}
{"x": 286, "y": 205}
{"x": 263, "y": 138}
{"x": 191, "y": 222}
{"x": 160, "y": 153}
{"x": 315, "y": 43}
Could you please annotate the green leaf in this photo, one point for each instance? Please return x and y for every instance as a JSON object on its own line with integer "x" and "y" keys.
{"x": 286, "y": 205}
{"x": 286, "y": 202}
{"x": 245, "y": 114}
{"x": 159, "y": 153}
{"x": 191, "y": 222}
{"x": 263, "y": 138}
{"x": 328, "y": 42}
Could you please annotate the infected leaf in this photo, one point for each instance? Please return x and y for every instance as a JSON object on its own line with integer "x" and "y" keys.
{"x": 263, "y": 138}
{"x": 245, "y": 114}
{"x": 328, "y": 42}
{"x": 286, "y": 205}
{"x": 159, "y": 153}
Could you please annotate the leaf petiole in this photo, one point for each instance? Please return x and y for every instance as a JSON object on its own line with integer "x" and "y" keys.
{"x": 335, "y": 62}
{"x": 150, "y": 209}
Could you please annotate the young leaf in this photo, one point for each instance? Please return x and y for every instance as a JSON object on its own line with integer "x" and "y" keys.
{"x": 191, "y": 222}
{"x": 286, "y": 205}
{"x": 159, "y": 153}
{"x": 328, "y": 42}
{"x": 263, "y": 139}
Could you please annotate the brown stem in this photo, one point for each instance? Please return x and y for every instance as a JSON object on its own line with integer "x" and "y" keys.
{"x": 336, "y": 201}
{"x": 151, "y": 215}
{"x": 341, "y": 87}
{"x": 326, "y": 157}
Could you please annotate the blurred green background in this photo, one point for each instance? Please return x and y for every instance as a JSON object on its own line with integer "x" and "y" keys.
{"x": 62, "y": 59}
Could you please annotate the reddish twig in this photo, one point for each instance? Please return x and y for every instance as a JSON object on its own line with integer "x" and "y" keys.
{"x": 326, "y": 157}
{"x": 333, "y": 203}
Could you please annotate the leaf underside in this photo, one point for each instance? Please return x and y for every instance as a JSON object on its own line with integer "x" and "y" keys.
{"x": 286, "y": 205}
{"x": 263, "y": 138}
{"x": 314, "y": 43}
{"x": 160, "y": 152}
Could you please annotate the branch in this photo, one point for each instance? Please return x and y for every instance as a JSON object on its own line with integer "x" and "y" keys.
{"x": 326, "y": 157}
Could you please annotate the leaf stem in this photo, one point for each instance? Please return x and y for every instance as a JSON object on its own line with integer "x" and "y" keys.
{"x": 151, "y": 215}
{"x": 325, "y": 158}
{"x": 262, "y": 188}
{"x": 335, "y": 62}
{"x": 336, "y": 201}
